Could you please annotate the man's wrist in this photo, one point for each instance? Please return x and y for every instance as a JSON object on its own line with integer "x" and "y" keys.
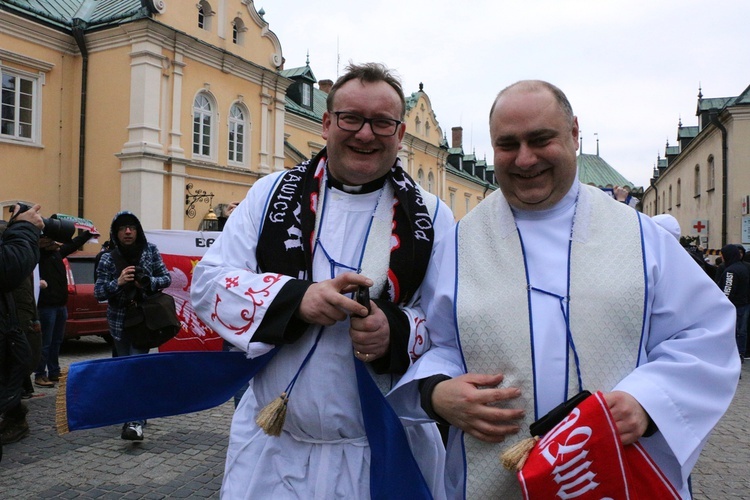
{"x": 426, "y": 388}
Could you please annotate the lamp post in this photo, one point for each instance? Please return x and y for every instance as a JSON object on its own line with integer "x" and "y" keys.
{"x": 210, "y": 221}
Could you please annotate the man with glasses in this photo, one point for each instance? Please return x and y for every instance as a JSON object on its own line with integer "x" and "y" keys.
{"x": 132, "y": 269}
{"x": 284, "y": 273}
{"x": 605, "y": 301}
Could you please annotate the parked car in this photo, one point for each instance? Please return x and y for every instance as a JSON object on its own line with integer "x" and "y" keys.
{"x": 86, "y": 315}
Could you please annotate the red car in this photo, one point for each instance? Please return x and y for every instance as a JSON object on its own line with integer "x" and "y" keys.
{"x": 86, "y": 315}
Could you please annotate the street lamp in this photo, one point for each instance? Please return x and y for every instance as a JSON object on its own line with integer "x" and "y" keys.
{"x": 210, "y": 221}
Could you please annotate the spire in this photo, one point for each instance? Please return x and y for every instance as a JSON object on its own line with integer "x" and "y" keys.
{"x": 580, "y": 139}
{"x": 597, "y": 143}
{"x": 421, "y": 87}
{"x": 307, "y": 62}
{"x": 700, "y": 91}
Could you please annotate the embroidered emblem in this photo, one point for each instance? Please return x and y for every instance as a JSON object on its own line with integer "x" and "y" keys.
{"x": 232, "y": 282}
{"x": 258, "y": 299}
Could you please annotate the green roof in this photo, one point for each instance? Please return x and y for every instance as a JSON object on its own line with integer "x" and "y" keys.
{"x": 319, "y": 97}
{"x": 95, "y": 13}
{"x": 592, "y": 169}
{"x": 301, "y": 73}
{"x": 687, "y": 132}
{"x": 715, "y": 103}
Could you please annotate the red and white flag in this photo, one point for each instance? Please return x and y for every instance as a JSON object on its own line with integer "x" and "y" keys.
{"x": 181, "y": 251}
{"x": 583, "y": 458}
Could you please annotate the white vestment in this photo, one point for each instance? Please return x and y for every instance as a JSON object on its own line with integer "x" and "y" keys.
{"x": 323, "y": 451}
{"x": 687, "y": 367}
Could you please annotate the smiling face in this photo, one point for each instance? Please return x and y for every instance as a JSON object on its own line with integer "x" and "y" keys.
{"x": 534, "y": 145}
{"x": 356, "y": 158}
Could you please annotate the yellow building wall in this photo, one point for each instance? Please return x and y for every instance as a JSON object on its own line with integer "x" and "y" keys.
{"x": 44, "y": 172}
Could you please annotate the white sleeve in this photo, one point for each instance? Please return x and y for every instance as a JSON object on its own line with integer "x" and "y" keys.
{"x": 689, "y": 369}
{"x": 227, "y": 293}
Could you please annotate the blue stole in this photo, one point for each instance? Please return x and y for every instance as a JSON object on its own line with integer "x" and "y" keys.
{"x": 111, "y": 391}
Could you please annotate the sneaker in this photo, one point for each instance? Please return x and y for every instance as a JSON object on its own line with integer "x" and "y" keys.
{"x": 132, "y": 431}
{"x": 15, "y": 432}
{"x": 43, "y": 381}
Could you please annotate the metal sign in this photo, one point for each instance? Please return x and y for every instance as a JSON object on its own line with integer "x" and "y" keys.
{"x": 699, "y": 227}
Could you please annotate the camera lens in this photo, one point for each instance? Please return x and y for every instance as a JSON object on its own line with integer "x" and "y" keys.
{"x": 58, "y": 230}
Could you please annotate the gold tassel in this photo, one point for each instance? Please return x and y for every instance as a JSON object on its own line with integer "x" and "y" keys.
{"x": 271, "y": 417}
{"x": 61, "y": 405}
{"x": 514, "y": 457}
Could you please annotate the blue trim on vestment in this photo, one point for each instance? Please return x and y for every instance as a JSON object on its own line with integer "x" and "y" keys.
{"x": 460, "y": 349}
{"x": 641, "y": 347}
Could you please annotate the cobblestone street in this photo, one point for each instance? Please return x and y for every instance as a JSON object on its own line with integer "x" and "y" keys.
{"x": 183, "y": 456}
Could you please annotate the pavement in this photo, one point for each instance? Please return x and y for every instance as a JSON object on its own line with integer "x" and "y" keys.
{"x": 183, "y": 456}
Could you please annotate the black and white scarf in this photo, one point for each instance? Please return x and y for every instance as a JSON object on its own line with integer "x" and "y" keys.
{"x": 291, "y": 212}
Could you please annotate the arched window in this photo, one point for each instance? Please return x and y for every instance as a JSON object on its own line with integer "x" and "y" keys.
{"x": 420, "y": 177}
{"x": 711, "y": 173}
{"x": 418, "y": 124}
{"x": 203, "y": 125}
{"x": 679, "y": 192}
{"x": 205, "y": 15}
{"x": 697, "y": 180}
{"x": 238, "y": 131}
{"x": 669, "y": 206}
{"x": 430, "y": 182}
{"x": 238, "y": 31}
{"x": 427, "y": 129}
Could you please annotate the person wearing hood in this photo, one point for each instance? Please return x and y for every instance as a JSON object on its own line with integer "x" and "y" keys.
{"x": 132, "y": 269}
{"x": 735, "y": 283}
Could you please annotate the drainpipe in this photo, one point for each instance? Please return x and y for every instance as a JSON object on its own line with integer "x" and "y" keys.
{"x": 724, "y": 179}
{"x": 79, "y": 26}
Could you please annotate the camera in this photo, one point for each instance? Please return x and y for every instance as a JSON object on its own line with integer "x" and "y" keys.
{"x": 54, "y": 228}
{"x": 141, "y": 277}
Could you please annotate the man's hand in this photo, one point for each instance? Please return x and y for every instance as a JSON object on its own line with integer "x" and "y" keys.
{"x": 463, "y": 404}
{"x": 126, "y": 276}
{"x": 31, "y": 215}
{"x": 325, "y": 304}
{"x": 621, "y": 194}
{"x": 630, "y": 417}
{"x": 371, "y": 335}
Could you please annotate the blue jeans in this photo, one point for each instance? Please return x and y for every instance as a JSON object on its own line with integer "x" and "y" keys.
{"x": 743, "y": 312}
{"x": 52, "y": 320}
{"x": 125, "y": 348}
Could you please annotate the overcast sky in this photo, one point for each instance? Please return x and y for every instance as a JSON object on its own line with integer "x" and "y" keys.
{"x": 631, "y": 68}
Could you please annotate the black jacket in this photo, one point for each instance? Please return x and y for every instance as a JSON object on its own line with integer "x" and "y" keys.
{"x": 52, "y": 270}
{"x": 19, "y": 253}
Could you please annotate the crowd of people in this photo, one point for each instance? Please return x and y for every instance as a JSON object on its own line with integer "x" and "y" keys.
{"x": 452, "y": 330}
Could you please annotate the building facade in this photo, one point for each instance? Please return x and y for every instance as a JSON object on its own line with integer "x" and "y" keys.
{"x": 704, "y": 180}
{"x": 170, "y": 110}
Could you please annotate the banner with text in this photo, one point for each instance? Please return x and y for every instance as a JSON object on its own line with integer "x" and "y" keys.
{"x": 181, "y": 251}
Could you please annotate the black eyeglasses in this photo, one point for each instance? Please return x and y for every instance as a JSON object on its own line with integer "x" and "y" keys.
{"x": 351, "y": 122}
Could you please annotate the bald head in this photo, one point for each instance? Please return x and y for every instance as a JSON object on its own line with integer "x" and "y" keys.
{"x": 538, "y": 86}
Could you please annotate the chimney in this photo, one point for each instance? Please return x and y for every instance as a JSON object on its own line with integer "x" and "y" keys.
{"x": 325, "y": 85}
{"x": 458, "y": 133}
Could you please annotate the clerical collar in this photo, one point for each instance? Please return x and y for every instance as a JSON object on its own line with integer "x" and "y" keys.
{"x": 369, "y": 187}
{"x": 566, "y": 203}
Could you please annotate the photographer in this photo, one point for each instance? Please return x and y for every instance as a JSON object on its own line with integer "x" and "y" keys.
{"x": 132, "y": 269}
{"x": 53, "y": 297}
{"x": 19, "y": 254}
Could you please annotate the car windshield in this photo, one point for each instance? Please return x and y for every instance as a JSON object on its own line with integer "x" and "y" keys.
{"x": 83, "y": 271}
